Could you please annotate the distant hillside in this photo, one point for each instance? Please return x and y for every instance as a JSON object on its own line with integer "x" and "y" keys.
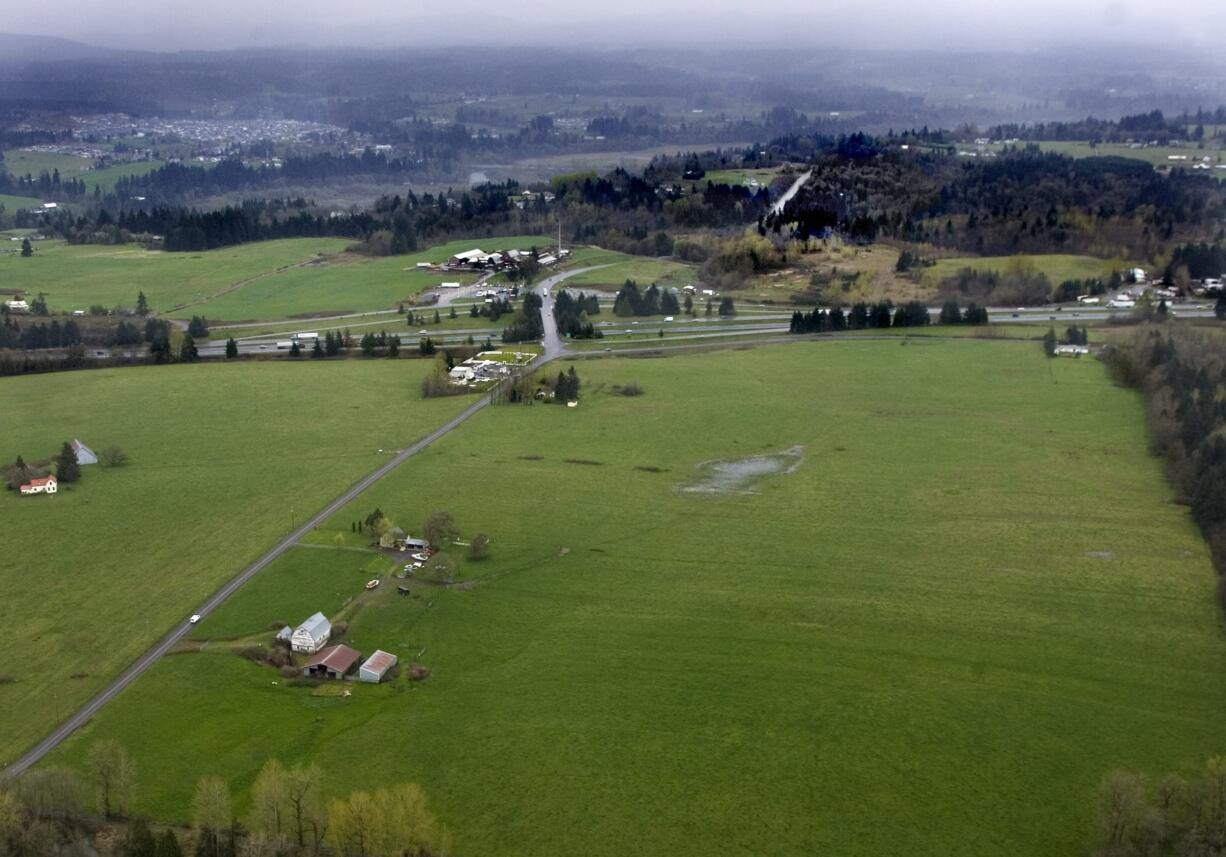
{"x": 16, "y": 48}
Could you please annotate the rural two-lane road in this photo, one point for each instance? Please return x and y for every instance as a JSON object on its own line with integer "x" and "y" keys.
{"x": 553, "y": 348}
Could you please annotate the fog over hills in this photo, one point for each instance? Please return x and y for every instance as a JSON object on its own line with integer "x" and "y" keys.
{"x": 943, "y": 24}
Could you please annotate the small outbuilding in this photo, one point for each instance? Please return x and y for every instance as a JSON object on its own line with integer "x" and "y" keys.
{"x": 84, "y": 454}
{"x": 412, "y": 544}
{"x": 376, "y": 667}
{"x": 286, "y": 634}
{"x": 333, "y": 662}
{"x": 311, "y": 635}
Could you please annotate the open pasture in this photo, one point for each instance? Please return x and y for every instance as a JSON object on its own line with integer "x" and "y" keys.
{"x": 223, "y": 460}
{"x": 845, "y": 597}
{"x": 267, "y": 280}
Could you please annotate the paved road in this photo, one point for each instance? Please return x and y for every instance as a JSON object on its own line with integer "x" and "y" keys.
{"x": 777, "y": 208}
{"x": 553, "y": 349}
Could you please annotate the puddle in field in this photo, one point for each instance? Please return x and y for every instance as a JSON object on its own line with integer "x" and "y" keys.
{"x": 741, "y": 475}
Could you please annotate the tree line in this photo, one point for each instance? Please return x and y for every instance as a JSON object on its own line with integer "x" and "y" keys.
{"x": 62, "y": 811}
{"x": 631, "y": 301}
{"x": 1178, "y": 370}
{"x": 526, "y": 325}
{"x": 1172, "y": 817}
{"x": 864, "y": 316}
{"x": 571, "y": 314}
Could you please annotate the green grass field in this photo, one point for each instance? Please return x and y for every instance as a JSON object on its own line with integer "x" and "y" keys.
{"x": 223, "y": 459}
{"x": 622, "y": 266}
{"x": 21, "y": 163}
{"x": 1057, "y": 267}
{"x": 76, "y": 276}
{"x": 1159, "y": 156}
{"x": 260, "y": 281}
{"x": 13, "y": 203}
{"x": 744, "y": 176}
{"x": 971, "y": 599}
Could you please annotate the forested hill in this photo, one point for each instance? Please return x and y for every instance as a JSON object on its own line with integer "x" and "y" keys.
{"x": 1023, "y": 201}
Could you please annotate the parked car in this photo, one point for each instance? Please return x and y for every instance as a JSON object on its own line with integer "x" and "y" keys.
{"x": 371, "y": 584}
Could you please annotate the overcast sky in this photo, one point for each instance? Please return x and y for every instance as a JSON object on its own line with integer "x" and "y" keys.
{"x": 957, "y": 24}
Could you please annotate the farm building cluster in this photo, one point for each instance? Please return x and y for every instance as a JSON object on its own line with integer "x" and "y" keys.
{"x": 487, "y": 366}
{"x": 49, "y": 484}
{"x": 500, "y": 260}
{"x": 338, "y": 661}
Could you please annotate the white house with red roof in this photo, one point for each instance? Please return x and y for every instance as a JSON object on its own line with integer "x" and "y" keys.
{"x": 45, "y": 485}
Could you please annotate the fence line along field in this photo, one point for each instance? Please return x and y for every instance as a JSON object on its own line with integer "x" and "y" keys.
{"x": 223, "y": 459}
{"x": 849, "y": 597}
{"x": 296, "y": 277}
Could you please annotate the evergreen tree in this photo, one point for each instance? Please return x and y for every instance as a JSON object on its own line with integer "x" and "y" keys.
{"x": 452, "y": 312}
{"x": 198, "y": 326}
{"x": 1049, "y": 342}
{"x": 1219, "y": 308}
{"x": 294, "y": 349}
{"x": 27, "y": 249}
{"x": 437, "y": 318}
{"x": 142, "y": 305}
{"x": 951, "y": 313}
{"x": 393, "y": 346}
{"x": 231, "y": 348}
{"x": 139, "y": 842}
{"x": 168, "y": 845}
{"x": 66, "y": 467}
{"x": 317, "y": 350}
{"x": 188, "y": 351}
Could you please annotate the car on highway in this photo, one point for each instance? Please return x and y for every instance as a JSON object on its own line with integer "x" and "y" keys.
{"x": 423, "y": 330}
{"x": 195, "y": 618}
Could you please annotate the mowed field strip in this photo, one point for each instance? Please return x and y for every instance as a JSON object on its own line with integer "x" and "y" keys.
{"x": 970, "y": 598}
{"x": 224, "y": 458}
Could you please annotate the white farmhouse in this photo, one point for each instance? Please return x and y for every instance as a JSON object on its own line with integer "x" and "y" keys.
{"x": 311, "y": 635}
{"x": 45, "y": 485}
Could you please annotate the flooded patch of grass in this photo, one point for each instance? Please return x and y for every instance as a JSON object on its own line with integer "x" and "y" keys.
{"x": 739, "y": 476}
